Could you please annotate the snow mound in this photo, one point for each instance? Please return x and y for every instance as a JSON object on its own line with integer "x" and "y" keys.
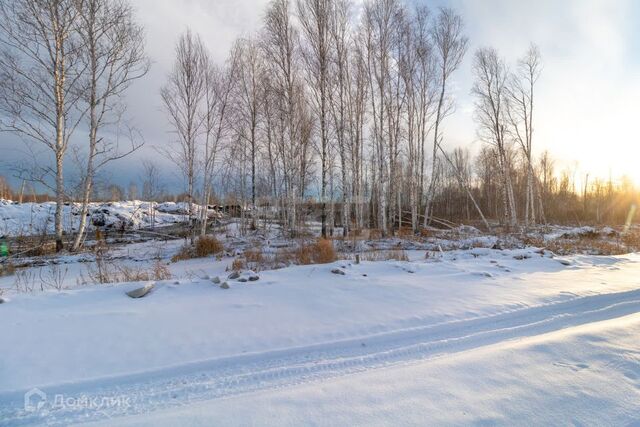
{"x": 28, "y": 219}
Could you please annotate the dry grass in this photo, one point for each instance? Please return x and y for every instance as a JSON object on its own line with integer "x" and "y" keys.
{"x": 405, "y": 233}
{"x": 319, "y": 252}
{"x": 25, "y": 281}
{"x": 254, "y": 256}
{"x": 7, "y": 268}
{"x": 595, "y": 247}
{"x": 45, "y": 248}
{"x": 184, "y": 253}
{"x": 303, "y": 255}
{"x": 373, "y": 234}
{"x": 207, "y": 245}
{"x": 324, "y": 252}
{"x": 425, "y": 232}
{"x": 204, "y": 247}
{"x": 587, "y": 245}
{"x": 158, "y": 271}
{"x": 632, "y": 239}
{"x": 383, "y": 255}
{"x": 110, "y": 272}
{"x": 238, "y": 264}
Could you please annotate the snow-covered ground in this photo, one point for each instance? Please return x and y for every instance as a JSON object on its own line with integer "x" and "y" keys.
{"x": 476, "y": 336}
{"x": 27, "y": 219}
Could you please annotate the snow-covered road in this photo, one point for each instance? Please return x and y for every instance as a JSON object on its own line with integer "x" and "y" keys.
{"x": 484, "y": 337}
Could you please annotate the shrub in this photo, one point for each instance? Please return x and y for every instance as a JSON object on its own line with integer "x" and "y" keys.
{"x": 632, "y": 239}
{"x": 44, "y": 249}
{"x": 375, "y": 234}
{"x": 123, "y": 273}
{"x": 7, "y": 268}
{"x": 303, "y": 255}
{"x": 320, "y": 252}
{"x": 159, "y": 271}
{"x": 254, "y": 256}
{"x": 184, "y": 253}
{"x": 207, "y": 245}
{"x": 405, "y": 232}
{"x": 238, "y": 264}
{"x": 323, "y": 252}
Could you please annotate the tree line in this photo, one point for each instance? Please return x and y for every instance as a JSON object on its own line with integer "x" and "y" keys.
{"x": 331, "y": 101}
{"x": 347, "y": 104}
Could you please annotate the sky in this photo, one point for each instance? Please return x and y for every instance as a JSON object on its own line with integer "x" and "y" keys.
{"x": 586, "y": 108}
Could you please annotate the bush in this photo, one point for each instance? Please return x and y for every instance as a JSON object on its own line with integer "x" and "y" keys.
{"x": 324, "y": 252}
{"x": 303, "y": 255}
{"x": 44, "y": 249}
{"x": 207, "y": 245}
{"x": 160, "y": 271}
{"x": 184, "y": 253}
{"x": 7, "y": 268}
{"x": 238, "y": 264}
{"x": 254, "y": 256}
{"x": 320, "y": 252}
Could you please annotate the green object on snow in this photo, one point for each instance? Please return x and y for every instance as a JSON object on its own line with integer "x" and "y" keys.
{"x": 4, "y": 250}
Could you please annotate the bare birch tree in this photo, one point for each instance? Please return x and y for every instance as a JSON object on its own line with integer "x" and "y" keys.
{"x": 219, "y": 83}
{"x": 281, "y": 46}
{"x": 379, "y": 26}
{"x": 490, "y": 108}
{"x": 315, "y": 16}
{"x": 340, "y": 44}
{"x": 450, "y": 46}
{"x": 520, "y": 110}
{"x": 183, "y": 96}
{"x": 418, "y": 74}
{"x": 40, "y": 69}
{"x": 114, "y": 57}
{"x": 248, "y": 103}
{"x": 357, "y": 116}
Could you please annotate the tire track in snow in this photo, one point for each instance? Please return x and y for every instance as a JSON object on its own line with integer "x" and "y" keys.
{"x": 201, "y": 381}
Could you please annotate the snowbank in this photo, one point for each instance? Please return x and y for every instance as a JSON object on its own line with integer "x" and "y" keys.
{"x": 38, "y": 218}
{"x": 190, "y": 341}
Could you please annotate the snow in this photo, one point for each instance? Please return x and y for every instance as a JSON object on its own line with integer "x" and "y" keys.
{"x": 475, "y": 336}
{"x": 587, "y": 375}
{"x": 579, "y": 232}
{"x": 28, "y": 219}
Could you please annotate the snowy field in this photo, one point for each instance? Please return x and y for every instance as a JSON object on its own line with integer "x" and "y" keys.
{"x": 465, "y": 337}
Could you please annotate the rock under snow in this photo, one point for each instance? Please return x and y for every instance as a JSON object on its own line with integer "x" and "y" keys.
{"x": 141, "y": 292}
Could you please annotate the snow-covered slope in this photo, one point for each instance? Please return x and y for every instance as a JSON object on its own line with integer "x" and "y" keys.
{"x": 38, "y": 218}
{"x": 517, "y": 329}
